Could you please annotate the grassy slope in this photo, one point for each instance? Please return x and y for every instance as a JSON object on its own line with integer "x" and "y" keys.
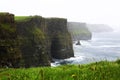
{"x": 95, "y": 71}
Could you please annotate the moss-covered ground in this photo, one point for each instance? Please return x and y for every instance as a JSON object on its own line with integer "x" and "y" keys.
{"x": 103, "y": 70}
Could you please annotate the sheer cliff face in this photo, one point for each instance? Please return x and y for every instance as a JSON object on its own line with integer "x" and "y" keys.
{"x": 44, "y": 39}
{"x": 61, "y": 43}
{"x": 34, "y": 41}
{"x": 79, "y": 31}
{"x": 10, "y": 53}
{"x": 33, "y": 37}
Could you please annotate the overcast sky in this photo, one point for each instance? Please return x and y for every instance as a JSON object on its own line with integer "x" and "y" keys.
{"x": 90, "y": 11}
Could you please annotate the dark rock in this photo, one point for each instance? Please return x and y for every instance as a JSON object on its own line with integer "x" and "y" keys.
{"x": 10, "y": 53}
{"x": 61, "y": 43}
{"x": 34, "y": 42}
{"x": 6, "y": 18}
{"x": 78, "y": 43}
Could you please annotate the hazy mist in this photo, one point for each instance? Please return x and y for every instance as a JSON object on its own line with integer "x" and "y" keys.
{"x": 89, "y": 11}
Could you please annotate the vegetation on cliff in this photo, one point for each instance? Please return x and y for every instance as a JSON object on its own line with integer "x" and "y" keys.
{"x": 103, "y": 70}
{"x": 33, "y": 41}
{"x": 22, "y": 18}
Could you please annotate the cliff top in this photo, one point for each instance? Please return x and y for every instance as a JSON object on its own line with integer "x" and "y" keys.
{"x": 25, "y": 18}
{"x": 22, "y": 18}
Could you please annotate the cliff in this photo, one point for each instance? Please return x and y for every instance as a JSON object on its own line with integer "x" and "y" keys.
{"x": 34, "y": 40}
{"x": 79, "y": 31}
{"x": 10, "y": 53}
{"x": 33, "y": 37}
{"x": 61, "y": 43}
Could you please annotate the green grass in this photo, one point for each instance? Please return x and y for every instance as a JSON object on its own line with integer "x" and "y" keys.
{"x": 95, "y": 71}
{"x": 22, "y": 18}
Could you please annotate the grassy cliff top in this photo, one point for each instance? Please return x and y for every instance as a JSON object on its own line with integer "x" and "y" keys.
{"x": 103, "y": 70}
{"x": 25, "y": 18}
{"x": 22, "y": 18}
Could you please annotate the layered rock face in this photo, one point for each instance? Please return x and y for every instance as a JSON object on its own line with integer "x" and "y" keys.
{"x": 10, "y": 53}
{"x": 61, "y": 44}
{"x": 33, "y": 41}
{"x": 79, "y": 31}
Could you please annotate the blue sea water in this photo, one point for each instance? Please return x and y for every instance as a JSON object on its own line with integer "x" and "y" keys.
{"x": 102, "y": 46}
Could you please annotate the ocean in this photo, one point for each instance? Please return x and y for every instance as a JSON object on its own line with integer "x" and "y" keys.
{"x": 102, "y": 46}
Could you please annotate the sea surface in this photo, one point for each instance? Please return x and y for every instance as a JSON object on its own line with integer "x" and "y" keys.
{"x": 102, "y": 46}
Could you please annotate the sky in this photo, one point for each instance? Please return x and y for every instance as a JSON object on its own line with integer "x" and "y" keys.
{"x": 89, "y": 11}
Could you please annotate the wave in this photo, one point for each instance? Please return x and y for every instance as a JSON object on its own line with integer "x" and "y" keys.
{"x": 81, "y": 60}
